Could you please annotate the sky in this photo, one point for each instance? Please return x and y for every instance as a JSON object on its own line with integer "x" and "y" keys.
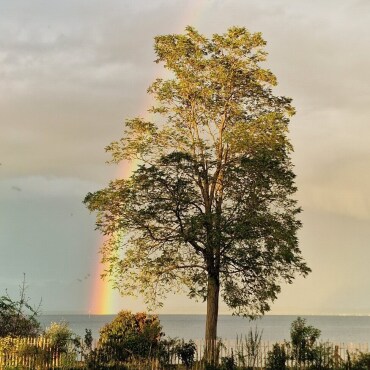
{"x": 72, "y": 71}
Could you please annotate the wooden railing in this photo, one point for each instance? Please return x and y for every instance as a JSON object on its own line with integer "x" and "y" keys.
{"x": 28, "y": 353}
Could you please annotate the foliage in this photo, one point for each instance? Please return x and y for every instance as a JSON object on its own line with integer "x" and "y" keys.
{"x": 64, "y": 342}
{"x": 323, "y": 357}
{"x": 211, "y": 207}
{"x": 18, "y": 318}
{"x": 60, "y": 335}
{"x": 86, "y": 344}
{"x": 128, "y": 337}
{"x": 276, "y": 359}
{"x": 249, "y": 348}
{"x": 303, "y": 340}
{"x": 88, "y": 339}
{"x": 228, "y": 362}
{"x": 185, "y": 351}
{"x": 361, "y": 361}
{"x": 166, "y": 351}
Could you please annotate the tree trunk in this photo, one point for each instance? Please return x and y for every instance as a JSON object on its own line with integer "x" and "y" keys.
{"x": 213, "y": 290}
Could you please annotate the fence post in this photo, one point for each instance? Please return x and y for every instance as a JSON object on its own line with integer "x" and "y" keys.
{"x": 336, "y": 356}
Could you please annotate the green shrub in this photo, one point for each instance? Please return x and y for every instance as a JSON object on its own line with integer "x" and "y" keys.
{"x": 60, "y": 336}
{"x": 303, "y": 340}
{"x": 323, "y": 357}
{"x": 128, "y": 337}
{"x": 228, "y": 362}
{"x": 64, "y": 342}
{"x": 276, "y": 359}
{"x": 185, "y": 351}
{"x": 166, "y": 350}
{"x": 18, "y": 317}
{"x": 361, "y": 361}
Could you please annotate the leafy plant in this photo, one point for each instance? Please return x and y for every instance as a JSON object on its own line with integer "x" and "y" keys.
{"x": 303, "y": 341}
{"x": 18, "y": 317}
{"x": 361, "y": 361}
{"x": 60, "y": 335}
{"x": 129, "y": 337}
{"x": 166, "y": 351}
{"x": 228, "y": 362}
{"x": 324, "y": 357}
{"x": 249, "y": 348}
{"x": 186, "y": 352}
{"x": 64, "y": 342}
{"x": 276, "y": 359}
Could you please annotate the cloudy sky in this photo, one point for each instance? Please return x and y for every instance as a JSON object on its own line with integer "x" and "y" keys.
{"x": 71, "y": 71}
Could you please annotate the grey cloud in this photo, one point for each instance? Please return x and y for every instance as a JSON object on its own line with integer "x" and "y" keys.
{"x": 72, "y": 71}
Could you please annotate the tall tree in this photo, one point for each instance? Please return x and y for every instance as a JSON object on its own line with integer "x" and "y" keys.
{"x": 211, "y": 206}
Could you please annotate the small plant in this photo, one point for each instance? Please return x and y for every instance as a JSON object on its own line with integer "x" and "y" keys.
{"x": 323, "y": 357}
{"x": 249, "y": 348}
{"x": 64, "y": 342}
{"x": 18, "y": 317}
{"x": 303, "y": 341}
{"x": 276, "y": 359}
{"x": 86, "y": 344}
{"x": 228, "y": 362}
{"x": 166, "y": 351}
{"x": 59, "y": 334}
{"x": 361, "y": 361}
{"x": 186, "y": 352}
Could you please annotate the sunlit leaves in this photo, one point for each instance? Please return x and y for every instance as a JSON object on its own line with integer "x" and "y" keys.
{"x": 213, "y": 196}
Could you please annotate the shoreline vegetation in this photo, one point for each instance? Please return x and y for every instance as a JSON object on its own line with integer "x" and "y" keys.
{"x": 136, "y": 341}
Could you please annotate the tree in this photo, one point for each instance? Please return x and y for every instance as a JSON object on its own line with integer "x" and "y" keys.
{"x": 211, "y": 206}
{"x": 18, "y": 318}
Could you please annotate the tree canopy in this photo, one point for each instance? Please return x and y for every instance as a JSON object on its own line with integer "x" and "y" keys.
{"x": 211, "y": 206}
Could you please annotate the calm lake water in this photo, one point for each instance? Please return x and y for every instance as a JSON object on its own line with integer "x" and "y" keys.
{"x": 339, "y": 329}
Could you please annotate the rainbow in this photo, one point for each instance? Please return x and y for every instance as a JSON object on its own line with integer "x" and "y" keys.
{"x": 104, "y": 299}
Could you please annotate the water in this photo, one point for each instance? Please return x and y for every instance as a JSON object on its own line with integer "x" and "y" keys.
{"x": 338, "y": 329}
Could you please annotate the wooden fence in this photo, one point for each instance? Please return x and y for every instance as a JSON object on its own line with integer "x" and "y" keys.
{"x": 251, "y": 356}
{"x": 40, "y": 354}
{"x": 28, "y": 353}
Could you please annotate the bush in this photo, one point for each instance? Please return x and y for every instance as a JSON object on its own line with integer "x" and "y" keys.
{"x": 166, "y": 351}
{"x": 323, "y": 357}
{"x": 18, "y": 318}
{"x": 228, "y": 363}
{"x": 64, "y": 342}
{"x": 60, "y": 336}
{"x": 303, "y": 339}
{"x": 276, "y": 359}
{"x": 185, "y": 351}
{"x": 361, "y": 361}
{"x": 128, "y": 337}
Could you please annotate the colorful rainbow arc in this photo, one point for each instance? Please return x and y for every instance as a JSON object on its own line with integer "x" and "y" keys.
{"x": 102, "y": 297}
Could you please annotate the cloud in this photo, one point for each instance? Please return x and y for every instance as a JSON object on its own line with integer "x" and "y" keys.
{"x": 341, "y": 187}
{"x": 46, "y": 187}
{"x": 73, "y": 70}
